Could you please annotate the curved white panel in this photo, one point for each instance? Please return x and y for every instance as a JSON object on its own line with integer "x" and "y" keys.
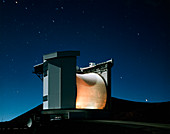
{"x": 29, "y": 123}
{"x": 91, "y": 91}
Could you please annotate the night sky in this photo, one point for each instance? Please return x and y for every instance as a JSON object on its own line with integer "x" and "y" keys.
{"x": 135, "y": 33}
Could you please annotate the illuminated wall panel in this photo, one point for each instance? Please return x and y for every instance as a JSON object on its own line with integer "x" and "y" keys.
{"x": 91, "y": 91}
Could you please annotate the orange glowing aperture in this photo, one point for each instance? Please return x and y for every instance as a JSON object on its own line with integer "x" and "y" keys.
{"x": 91, "y": 91}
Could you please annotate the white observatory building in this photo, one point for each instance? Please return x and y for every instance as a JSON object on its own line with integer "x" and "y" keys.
{"x": 68, "y": 90}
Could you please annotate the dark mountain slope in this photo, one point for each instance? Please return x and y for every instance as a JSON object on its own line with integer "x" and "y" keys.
{"x": 140, "y": 111}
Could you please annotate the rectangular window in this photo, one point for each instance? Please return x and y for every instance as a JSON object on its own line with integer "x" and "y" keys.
{"x": 45, "y": 98}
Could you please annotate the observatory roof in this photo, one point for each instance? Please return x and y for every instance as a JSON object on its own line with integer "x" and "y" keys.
{"x": 61, "y": 54}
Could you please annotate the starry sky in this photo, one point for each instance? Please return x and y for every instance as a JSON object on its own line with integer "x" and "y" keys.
{"x": 135, "y": 33}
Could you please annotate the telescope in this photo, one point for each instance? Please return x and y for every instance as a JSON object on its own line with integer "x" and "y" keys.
{"x": 70, "y": 91}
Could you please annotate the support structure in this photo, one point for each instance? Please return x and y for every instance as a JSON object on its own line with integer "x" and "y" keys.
{"x": 59, "y": 80}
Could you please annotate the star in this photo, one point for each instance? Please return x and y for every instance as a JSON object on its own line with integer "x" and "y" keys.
{"x": 16, "y": 2}
{"x": 121, "y": 77}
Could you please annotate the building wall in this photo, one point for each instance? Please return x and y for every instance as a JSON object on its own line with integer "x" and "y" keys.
{"x": 60, "y": 83}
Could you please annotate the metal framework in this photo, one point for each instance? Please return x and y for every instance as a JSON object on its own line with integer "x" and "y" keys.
{"x": 38, "y": 70}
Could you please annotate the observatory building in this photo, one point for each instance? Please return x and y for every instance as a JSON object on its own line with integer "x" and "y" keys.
{"x": 70, "y": 91}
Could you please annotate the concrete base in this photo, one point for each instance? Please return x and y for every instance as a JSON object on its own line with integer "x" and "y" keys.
{"x": 77, "y": 114}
